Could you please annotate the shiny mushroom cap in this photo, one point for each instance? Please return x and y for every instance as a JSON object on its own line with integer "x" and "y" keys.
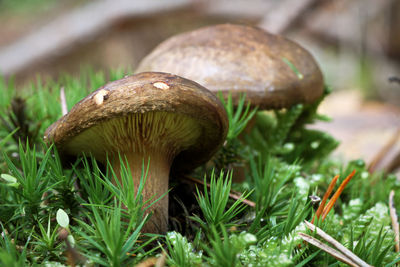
{"x": 144, "y": 113}
{"x": 273, "y": 71}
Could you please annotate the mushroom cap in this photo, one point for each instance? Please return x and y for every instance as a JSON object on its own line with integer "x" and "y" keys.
{"x": 145, "y": 93}
{"x": 273, "y": 71}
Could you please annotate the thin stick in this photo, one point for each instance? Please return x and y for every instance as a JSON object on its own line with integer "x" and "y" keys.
{"x": 395, "y": 222}
{"x": 281, "y": 17}
{"x": 147, "y": 262}
{"x": 161, "y": 260}
{"x": 79, "y": 25}
{"x": 73, "y": 255}
{"x": 153, "y": 261}
{"x": 233, "y": 194}
{"x": 327, "y": 249}
{"x": 325, "y": 198}
{"x": 384, "y": 151}
{"x": 337, "y": 245}
{"x": 393, "y": 164}
{"x": 335, "y": 197}
{"x": 63, "y": 100}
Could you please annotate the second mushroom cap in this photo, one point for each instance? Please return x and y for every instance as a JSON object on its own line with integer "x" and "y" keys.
{"x": 273, "y": 71}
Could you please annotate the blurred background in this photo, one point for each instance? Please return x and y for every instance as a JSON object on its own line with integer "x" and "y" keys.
{"x": 356, "y": 42}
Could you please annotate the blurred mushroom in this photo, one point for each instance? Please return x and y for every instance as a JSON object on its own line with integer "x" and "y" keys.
{"x": 273, "y": 71}
{"x": 174, "y": 122}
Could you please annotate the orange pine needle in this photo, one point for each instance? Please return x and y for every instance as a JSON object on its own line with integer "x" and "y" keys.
{"x": 335, "y": 197}
{"x": 325, "y": 198}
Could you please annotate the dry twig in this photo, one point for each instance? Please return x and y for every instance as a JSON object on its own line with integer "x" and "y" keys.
{"x": 63, "y": 101}
{"x": 383, "y": 152}
{"x": 327, "y": 249}
{"x": 153, "y": 261}
{"x": 343, "y": 250}
{"x": 395, "y": 221}
{"x": 393, "y": 164}
{"x": 73, "y": 255}
{"x": 281, "y": 16}
{"x": 76, "y": 26}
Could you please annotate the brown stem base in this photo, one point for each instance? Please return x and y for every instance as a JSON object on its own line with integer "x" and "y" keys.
{"x": 156, "y": 185}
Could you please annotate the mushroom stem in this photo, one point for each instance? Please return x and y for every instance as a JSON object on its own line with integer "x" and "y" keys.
{"x": 155, "y": 186}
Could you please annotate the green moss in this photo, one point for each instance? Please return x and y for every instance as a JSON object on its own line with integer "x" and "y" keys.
{"x": 283, "y": 163}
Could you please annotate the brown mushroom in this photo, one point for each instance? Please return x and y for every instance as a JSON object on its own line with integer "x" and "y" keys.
{"x": 174, "y": 122}
{"x": 273, "y": 71}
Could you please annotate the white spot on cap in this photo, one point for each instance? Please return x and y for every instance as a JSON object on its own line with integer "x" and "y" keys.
{"x": 100, "y": 96}
{"x": 161, "y": 85}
